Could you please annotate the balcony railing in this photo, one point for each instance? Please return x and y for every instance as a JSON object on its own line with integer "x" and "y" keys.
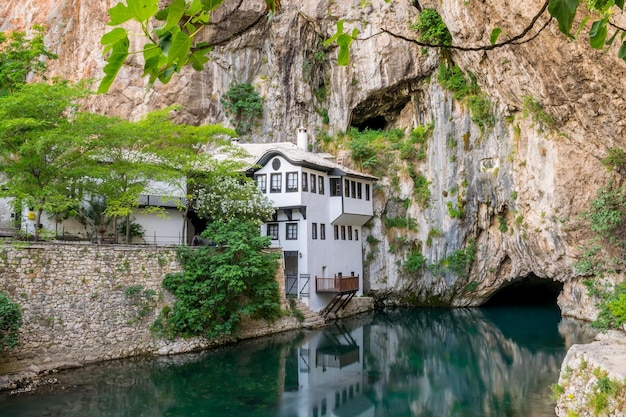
{"x": 338, "y": 284}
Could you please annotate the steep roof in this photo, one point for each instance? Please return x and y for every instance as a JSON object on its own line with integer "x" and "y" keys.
{"x": 261, "y": 153}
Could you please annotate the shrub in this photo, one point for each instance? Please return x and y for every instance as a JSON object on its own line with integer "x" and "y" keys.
{"x": 243, "y": 105}
{"x": 432, "y": 29}
{"x": 10, "y": 322}
{"x": 615, "y": 160}
{"x": 222, "y": 284}
{"x": 414, "y": 262}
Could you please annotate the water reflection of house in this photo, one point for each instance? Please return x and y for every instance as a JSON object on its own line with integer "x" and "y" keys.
{"x": 325, "y": 376}
{"x": 321, "y": 207}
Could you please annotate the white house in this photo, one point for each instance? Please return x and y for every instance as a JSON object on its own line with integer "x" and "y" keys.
{"x": 321, "y": 208}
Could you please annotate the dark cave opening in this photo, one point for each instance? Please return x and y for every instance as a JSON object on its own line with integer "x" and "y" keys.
{"x": 529, "y": 290}
{"x": 372, "y": 123}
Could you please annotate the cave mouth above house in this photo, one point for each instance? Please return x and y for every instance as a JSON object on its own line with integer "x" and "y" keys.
{"x": 529, "y": 290}
{"x": 372, "y": 123}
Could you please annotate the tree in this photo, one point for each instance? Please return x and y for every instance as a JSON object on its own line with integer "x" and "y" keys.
{"x": 223, "y": 283}
{"x": 21, "y": 57}
{"x": 226, "y": 197}
{"x": 244, "y": 106}
{"x": 174, "y": 44}
{"x": 42, "y": 150}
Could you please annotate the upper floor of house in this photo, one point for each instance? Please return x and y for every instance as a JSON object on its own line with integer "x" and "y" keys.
{"x": 293, "y": 178}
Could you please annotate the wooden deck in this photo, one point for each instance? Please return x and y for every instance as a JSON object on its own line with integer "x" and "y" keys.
{"x": 337, "y": 285}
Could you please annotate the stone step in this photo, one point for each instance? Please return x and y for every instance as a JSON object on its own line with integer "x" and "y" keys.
{"x": 311, "y": 318}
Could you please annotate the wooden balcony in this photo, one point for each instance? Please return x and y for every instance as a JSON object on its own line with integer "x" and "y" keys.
{"x": 337, "y": 285}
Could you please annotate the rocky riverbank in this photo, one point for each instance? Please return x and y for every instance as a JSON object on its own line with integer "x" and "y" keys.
{"x": 593, "y": 378}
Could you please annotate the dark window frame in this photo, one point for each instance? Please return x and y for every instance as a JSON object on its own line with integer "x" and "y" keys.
{"x": 314, "y": 231}
{"x": 273, "y": 189}
{"x": 335, "y": 187}
{"x": 271, "y": 226}
{"x": 291, "y": 231}
{"x": 322, "y": 231}
{"x": 313, "y": 183}
{"x": 292, "y": 177}
{"x": 320, "y": 184}
{"x": 305, "y": 177}
{"x": 264, "y": 182}
{"x": 346, "y": 188}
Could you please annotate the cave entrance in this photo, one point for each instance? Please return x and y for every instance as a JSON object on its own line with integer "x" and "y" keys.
{"x": 529, "y": 290}
{"x": 372, "y": 123}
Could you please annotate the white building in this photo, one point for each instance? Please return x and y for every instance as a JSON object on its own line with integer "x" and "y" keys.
{"x": 321, "y": 208}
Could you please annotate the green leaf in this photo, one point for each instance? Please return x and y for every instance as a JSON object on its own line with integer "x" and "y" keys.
{"x": 114, "y": 63}
{"x": 597, "y": 33}
{"x": 563, "y": 11}
{"x": 113, "y": 36}
{"x": 622, "y": 51}
{"x": 143, "y": 10}
{"x": 193, "y": 8}
{"x": 336, "y": 35}
{"x": 119, "y": 14}
{"x": 181, "y": 44}
{"x": 175, "y": 12}
{"x": 495, "y": 34}
{"x": 210, "y": 5}
{"x": 620, "y": 4}
{"x": 199, "y": 58}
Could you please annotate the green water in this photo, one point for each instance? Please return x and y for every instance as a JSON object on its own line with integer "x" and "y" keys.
{"x": 499, "y": 361}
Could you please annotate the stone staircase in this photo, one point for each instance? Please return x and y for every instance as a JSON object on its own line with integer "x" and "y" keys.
{"x": 312, "y": 320}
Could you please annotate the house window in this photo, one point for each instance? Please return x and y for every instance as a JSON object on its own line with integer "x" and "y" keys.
{"x": 343, "y": 232}
{"x": 335, "y": 187}
{"x": 359, "y": 191}
{"x": 292, "y": 231}
{"x": 261, "y": 182}
{"x": 292, "y": 182}
{"x": 320, "y": 187}
{"x": 322, "y": 231}
{"x": 305, "y": 177}
{"x": 367, "y": 192}
{"x": 346, "y": 188}
{"x": 356, "y": 234}
{"x": 313, "y": 179}
{"x": 353, "y": 189}
{"x": 349, "y": 232}
{"x": 272, "y": 230}
{"x": 314, "y": 231}
{"x": 275, "y": 186}
{"x": 336, "y": 232}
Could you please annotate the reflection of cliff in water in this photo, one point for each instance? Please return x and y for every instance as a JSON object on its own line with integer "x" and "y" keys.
{"x": 463, "y": 362}
{"x": 422, "y": 363}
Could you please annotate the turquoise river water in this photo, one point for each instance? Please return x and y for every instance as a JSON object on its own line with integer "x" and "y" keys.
{"x": 497, "y": 361}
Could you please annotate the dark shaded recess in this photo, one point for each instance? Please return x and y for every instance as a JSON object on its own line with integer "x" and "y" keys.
{"x": 373, "y": 123}
{"x": 530, "y": 290}
{"x": 383, "y": 106}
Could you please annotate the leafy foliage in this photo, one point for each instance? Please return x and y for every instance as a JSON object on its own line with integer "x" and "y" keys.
{"x": 42, "y": 151}
{"x": 244, "y": 106}
{"x": 21, "y": 56}
{"x": 415, "y": 262}
{"x": 615, "y": 160}
{"x": 535, "y": 109}
{"x": 222, "y": 284}
{"x": 170, "y": 46}
{"x": 10, "y": 322}
{"x": 466, "y": 88}
{"x": 457, "y": 262}
{"x": 431, "y": 28}
{"x": 225, "y": 198}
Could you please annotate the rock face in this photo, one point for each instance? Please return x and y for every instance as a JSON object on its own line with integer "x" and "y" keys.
{"x": 521, "y": 183}
{"x": 593, "y": 380}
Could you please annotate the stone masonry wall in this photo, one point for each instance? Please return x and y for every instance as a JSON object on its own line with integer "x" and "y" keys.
{"x": 75, "y": 310}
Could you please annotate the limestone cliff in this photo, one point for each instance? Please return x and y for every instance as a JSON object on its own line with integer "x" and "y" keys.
{"x": 522, "y": 184}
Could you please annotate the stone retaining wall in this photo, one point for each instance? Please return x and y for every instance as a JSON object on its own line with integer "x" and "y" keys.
{"x": 75, "y": 310}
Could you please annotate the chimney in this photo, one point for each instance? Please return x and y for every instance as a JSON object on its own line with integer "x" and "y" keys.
{"x": 303, "y": 139}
